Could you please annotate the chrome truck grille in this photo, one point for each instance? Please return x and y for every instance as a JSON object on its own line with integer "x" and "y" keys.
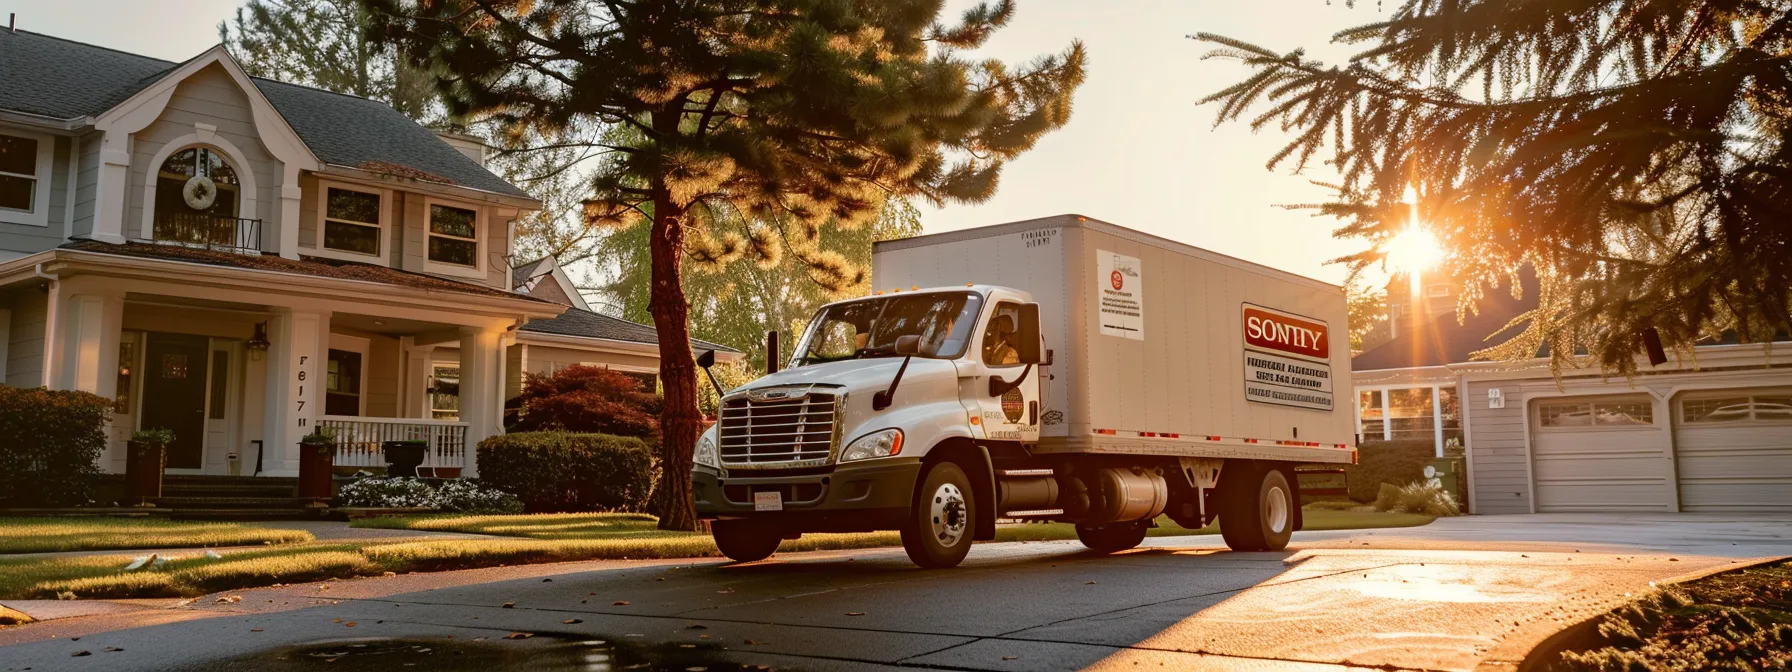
{"x": 780, "y": 427}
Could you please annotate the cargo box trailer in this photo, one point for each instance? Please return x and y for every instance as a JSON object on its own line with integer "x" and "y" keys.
{"x": 1062, "y": 369}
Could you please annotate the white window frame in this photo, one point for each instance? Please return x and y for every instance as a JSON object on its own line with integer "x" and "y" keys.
{"x": 39, "y": 214}
{"x": 1591, "y": 403}
{"x": 360, "y": 346}
{"x": 430, "y": 397}
{"x": 475, "y": 272}
{"x": 1751, "y": 421}
{"x": 323, "y": 218}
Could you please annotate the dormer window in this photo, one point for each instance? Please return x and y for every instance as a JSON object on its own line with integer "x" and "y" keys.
{"x": 352, "y": 221}
{"x": 453, "y": 247}
{"x": 25, "y": 163}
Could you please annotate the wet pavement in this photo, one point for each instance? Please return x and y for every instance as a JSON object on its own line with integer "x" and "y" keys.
{"x": 1459, "y": 594}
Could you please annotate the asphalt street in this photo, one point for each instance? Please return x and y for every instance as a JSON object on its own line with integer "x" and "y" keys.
{"x": 1460, "y": 594}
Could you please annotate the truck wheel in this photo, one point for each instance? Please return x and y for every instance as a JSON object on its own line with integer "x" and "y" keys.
{"x": 1258, "y": 518}
{"x": 938, "y": 532}
{"x": 744, "y": 540}
{"x": 1113, "y": 537}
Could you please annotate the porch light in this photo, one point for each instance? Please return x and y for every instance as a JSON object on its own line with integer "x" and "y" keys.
{"x": 258, "y": 344}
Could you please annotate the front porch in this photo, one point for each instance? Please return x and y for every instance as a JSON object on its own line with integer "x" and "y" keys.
{"x": 241, "y": 363}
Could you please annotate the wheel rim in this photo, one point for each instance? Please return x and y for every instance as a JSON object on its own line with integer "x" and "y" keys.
{"x": 946, "y": 514}
{"x": 1275, "y": 509}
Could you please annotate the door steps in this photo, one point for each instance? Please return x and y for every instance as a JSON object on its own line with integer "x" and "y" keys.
{"x": 190, "y": 497}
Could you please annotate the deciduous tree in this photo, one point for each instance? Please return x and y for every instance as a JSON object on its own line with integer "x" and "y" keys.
{"x": 749, "y": 124}
{"x": 1635, "y": 150}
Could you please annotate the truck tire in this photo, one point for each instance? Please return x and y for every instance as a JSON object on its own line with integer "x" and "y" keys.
{"x": 1259, "y": 518}
{"x": 744, "y": 540}
{"x": 1113, "y": 537}
{"x": 940, "y": 524}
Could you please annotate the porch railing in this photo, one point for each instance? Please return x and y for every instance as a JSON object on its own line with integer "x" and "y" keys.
{"x": 358, "y": 440}
{"x": 211, "y": 232}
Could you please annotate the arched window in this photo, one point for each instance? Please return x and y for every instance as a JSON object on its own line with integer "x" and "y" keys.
{"x": 190, "y": 209}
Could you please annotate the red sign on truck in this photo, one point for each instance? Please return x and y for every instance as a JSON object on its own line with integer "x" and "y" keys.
{"x": 1275, "y": 330}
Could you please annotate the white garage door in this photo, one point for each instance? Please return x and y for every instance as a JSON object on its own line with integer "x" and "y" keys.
{"x": 1598, "y": 454}
{"x": 1734, "y": 450}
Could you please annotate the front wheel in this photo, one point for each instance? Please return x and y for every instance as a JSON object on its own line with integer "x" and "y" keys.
{"x": 745, "y": 541}
{"x": 938, "y": 531}
{"x": 1257, "y": 513}
{"x": 1113, "y": 537}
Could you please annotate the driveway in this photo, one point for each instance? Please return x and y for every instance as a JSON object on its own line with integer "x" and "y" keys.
{"x": 1466, "y": 593}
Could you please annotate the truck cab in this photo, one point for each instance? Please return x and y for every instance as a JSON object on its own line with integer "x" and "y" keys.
{"x": 876, "y": 391}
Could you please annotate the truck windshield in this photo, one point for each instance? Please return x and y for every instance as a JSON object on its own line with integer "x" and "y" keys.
{"x": 869, "y": 328}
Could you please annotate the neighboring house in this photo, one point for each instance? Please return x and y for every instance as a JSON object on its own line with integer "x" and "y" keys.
{"x": 1711, "y": 432}
{"x": 244, "y": 261}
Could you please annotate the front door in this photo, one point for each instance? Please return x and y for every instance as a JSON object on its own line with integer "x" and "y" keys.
{"x": 1012, "y": 415}
{"x": 174, "y": 394}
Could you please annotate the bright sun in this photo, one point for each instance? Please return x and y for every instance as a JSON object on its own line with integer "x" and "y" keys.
{"x": 1413, "y": 251}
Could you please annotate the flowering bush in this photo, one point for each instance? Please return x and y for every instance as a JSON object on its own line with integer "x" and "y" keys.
{"x": 389, "y": 492}
{"x": 459, "y": 496}
{"x": 465, "y": 496}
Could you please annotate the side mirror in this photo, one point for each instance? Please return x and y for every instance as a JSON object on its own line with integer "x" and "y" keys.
{"x": 908, "y": 345}
{"x": 707, "y": 359}
{"x": 1027, "y": 341}
{"x": 771, "y": 352}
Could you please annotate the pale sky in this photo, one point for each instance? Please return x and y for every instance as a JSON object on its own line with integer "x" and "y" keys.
{"x": 1138, "y": 152}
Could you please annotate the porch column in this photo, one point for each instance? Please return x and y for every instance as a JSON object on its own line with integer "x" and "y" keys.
{"x": 297, "y": 346}
{"x": 114, "y": 174}
{"x": 288, "y": 246}
{"x": 481, "y": 388}
{"x": 91, "y": 323}
{"x": 414, "y": 387}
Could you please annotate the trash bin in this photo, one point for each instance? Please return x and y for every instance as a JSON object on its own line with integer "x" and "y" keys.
{"x": 1446, "y": 473}
{"x": 403, "y": 457}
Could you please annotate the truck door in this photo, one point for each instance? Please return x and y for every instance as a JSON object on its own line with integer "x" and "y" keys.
{"x": 1006, "y": 389}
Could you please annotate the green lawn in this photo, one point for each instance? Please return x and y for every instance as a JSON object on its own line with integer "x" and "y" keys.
{"x": 525, "y": 539}
{"x": 41, "y": 535}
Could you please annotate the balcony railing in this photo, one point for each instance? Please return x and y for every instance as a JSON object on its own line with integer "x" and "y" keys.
{"x": 197, "y": 229}
{"x": 358, "y": 441}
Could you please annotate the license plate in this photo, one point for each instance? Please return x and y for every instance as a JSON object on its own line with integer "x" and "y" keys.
{"x": 768, "y": 501}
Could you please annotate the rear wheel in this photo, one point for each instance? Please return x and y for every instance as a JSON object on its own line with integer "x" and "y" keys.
{"x": 1257, "y": 512}
{"x": 745, "y": 540}
{"x": 939, "y": 527}
{"x": 1113, "y": 537}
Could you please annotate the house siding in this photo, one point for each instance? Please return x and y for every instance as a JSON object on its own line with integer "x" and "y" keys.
{"x": 29, "y": 238}
{"x": 497, "y": 249}
{"x": 544, "y": 359}
{"x": 412, "y": 233}
{"x": 87, "y": 179}
{"x": 209, "y": 96}
{"x": 25, "y": 339}
{"x": 383, "y": 376}
{"x": 1500, "y": 474}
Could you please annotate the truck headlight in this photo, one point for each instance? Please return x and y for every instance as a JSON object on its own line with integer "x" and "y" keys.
{"x": 882, "y": 443}
{"x": 706, "y": 451}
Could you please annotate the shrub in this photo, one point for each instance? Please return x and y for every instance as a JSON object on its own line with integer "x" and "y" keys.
{"x": 1392, "y": 462}
{"x": 50, "y": 445}
{"x": 388, "y": 492}
{"x": 469, "y": 496}
{"x": 563, "y": 471}
{"x": 1416, "y": 498}
{"x": 588, "y": 399}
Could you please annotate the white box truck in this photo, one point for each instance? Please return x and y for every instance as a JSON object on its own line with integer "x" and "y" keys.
{"x": 1056, "y": 369}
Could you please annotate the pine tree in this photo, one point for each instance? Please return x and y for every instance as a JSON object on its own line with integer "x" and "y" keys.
{"x": 749, "y": 124}
{"x": 1636, "y": 151}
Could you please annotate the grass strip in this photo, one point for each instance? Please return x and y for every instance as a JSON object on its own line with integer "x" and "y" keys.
{"x": 48, "y": 535}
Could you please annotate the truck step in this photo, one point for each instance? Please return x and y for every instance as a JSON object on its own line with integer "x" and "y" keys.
{"x": 1036, "y": 513}
{"x": 1016, "y": 473}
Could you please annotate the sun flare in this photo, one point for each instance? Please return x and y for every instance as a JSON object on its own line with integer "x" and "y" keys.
{"x": 1414, "y": 250}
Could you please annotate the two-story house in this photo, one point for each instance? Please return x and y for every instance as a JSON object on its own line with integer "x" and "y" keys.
{"x": 242, "y": 261}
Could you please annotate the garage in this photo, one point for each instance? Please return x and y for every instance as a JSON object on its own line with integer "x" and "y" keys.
{"x": 1599, "y": 454}
{"x": 1733, "y": 450}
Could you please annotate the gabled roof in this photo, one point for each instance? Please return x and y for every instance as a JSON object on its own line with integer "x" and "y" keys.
{"x": 524, "y": 276}
{"x": 588, "y": 324}
{"x": 1437, "y": 340}
{"x": 61, "y": 79}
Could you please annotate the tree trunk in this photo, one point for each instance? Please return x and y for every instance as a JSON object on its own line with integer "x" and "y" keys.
{"x": 680, "y": 421}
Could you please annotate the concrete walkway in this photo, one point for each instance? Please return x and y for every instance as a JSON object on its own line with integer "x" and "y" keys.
{"x": 1460, "y": 594}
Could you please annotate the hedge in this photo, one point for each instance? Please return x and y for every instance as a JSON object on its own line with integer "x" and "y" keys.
{"x": 50, "y": 445}
{"x": 1395, "y": 463}
{"x": 565, "y": 471}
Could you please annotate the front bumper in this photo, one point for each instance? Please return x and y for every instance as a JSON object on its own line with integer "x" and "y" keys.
{"x": 849, "y": 498}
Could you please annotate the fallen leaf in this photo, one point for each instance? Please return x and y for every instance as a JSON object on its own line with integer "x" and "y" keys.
{"x": 349, "y": 624}
{"x": 1089, "y": 583}
{"x": 619, "y": 603}
{"x": 519, "y": 635}
{"x": 702, "y": 636}
{"x": 547, "y": 580}
{"x": 1010, "y": 657}
{"x": 660, "y": 579}
{"x": 255, "y": 630}
{"x": 78, "y": 654}
{"x": 687, "y": 646}
{"x": 572, "y": 621}
{"x": 855, "y": 613}
{"x": 337, "y": 621}
{"x": 388, "y": 573}
{"x": 113, "y": 649}
{"x": 229, "y": 599}
{"x": 753, "y": 643}
{"x": 509, "y": 605}
{"x": 696, "y": 626}
{"x": 725, "y": 591}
